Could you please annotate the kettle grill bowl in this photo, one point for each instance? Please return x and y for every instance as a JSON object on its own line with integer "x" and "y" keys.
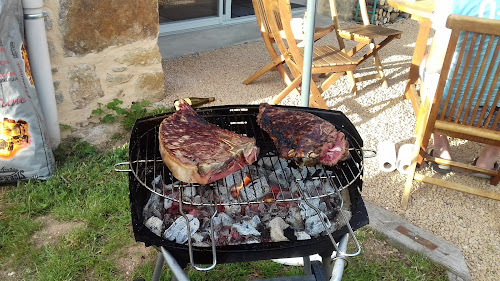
{"x": 141, "y": 145}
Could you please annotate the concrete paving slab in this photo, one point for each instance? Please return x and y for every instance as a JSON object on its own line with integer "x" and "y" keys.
{"x": 406, "y": 236}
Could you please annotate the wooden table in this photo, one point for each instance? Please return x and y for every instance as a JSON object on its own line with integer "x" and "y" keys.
{"x": 421, "y": 11}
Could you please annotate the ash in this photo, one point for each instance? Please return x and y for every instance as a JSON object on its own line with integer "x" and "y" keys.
{"x": 263, "y": 202}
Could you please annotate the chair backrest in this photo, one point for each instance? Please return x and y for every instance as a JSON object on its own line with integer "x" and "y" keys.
{"x": 279, "y": 16}
{"x": 262, "y": 21}
{"x": 336, "y": 23}
{"x": 469, "y": 82}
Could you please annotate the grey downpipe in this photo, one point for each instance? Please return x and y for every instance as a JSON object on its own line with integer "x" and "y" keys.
{"x": 308, "y": 52}
{"x": 38, "y": 54}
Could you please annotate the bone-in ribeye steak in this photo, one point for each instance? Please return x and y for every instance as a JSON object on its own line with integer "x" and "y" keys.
{"x": 197, "y": 151}
{"x": 303, "y": 137}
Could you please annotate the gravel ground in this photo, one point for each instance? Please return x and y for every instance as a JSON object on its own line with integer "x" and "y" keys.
{"x": 468, "y": 221}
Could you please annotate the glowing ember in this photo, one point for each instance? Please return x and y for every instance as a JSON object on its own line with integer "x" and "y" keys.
{"x": 235, "y": 190}
{"x": 14, "y": 136}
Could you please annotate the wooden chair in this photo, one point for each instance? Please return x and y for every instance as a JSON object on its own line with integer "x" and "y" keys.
{"x": 327, "y": 60}
{"x": 365, "y": 35}
{"x": 267, "y": 35}
{"x": 455, "y": 118}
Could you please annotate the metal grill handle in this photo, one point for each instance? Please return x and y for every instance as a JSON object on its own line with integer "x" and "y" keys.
{"x": 212, "y": 238}
{"x": 122, "y": 164}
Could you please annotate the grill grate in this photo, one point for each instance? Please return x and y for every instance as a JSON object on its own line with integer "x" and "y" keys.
{"x": 148, "y": 167}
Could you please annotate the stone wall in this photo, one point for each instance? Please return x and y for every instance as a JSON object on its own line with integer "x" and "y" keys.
{"x": 101, "y": 50}
{"x": 346, "y": 9}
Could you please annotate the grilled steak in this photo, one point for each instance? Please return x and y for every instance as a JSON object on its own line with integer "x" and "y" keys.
{"x": 197, "y": 151}
{"x": 303, "y": 137}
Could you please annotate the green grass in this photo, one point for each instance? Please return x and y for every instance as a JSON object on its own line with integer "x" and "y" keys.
{"x": 85, "y": 188}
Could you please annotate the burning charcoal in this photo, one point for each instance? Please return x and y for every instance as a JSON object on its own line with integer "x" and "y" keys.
{"x": 290, "y": 234}
{"x": 329, "y": 189}
{"x": 233, "y": 210}
{"x": 319, "y": 172}
{"x": 225, "y": 219}
{"x": 314, "y": 226}
{"x": 294, "y": 218}
{"x": 266, "y": 162}
{"x": 300, "y": 172}
{"x": 305, "y": 210}
{"x": 294, "y": 186}
{"x": 279, "y": 177}
{"x": 178, "y": 230}
{"x": 277, "y": 225}
{"x": 189, "y": 193}
{"x": 217, "y": 221}
{"x": 301, "y": 235}
{"x": 255, "y": 221}
{"x": 247, "y": 227}
{"x": 311, "y": 188}
{"x": 279, "y": 163}
{"x": 255, "y": 191}
{"x": 154, "y": 224}
{"x": 222, "y": 236}
{"x": 235, "y": 178}
{"x": 251, "y": 210}
{"x": 153, "y": 207}
{"x": 197, "y": 199}
{"x": 199, "y": 240}
{"x": 167, "y": 204}
{"x": 157, "y": 184}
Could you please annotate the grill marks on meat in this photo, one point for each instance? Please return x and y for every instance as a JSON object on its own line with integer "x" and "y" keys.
{"x": 303, "y": 137}
{"x": 197, "y": 151}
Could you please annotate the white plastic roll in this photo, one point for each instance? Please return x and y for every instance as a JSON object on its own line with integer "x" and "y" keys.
{"x": 386, "y": 155}
{"x": 404, "y": 157}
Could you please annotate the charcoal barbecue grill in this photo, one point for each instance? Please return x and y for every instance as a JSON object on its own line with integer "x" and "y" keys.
{"x": 146, "y": 165}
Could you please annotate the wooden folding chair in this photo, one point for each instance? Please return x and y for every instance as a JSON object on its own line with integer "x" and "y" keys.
{"x": 268, "y": 36}
{"x": 471, "y": 74}
{"x": 365, "y": 35}
{"x": 327, "y": 60}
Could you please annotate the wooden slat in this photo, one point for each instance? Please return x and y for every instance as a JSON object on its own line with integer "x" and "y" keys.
{"x": 457, "y": 186}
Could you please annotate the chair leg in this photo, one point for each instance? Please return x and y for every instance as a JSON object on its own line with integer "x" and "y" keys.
{"x": 315, "y": 98}
{"x": 295, "y": 83}
{"x": 276, "y": 62}
{"x": 409, "y": 180}
{"x": 352, "y": 81}
{"x": 495, "y": 180}
{"x": 380, "y": 70}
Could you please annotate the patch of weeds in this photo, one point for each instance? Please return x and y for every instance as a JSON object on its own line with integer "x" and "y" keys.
{"x": 380, "y": 261}
{"x": 65, "y": 127}
{"x": 114, "y": 110}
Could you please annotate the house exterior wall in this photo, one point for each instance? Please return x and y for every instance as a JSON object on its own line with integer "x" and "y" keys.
{"x": 101, "y": 50}
{"x": 346, "y": 9}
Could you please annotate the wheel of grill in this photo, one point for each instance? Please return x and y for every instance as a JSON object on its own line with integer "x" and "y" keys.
{"x": 318, "y": 270}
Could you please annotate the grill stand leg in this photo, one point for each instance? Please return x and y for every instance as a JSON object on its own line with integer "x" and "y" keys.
{"x": 307, "y": 265}
{"x": 340, "y": 259}
{"x": 158, "y": 267}
{"x": 326, "y": 260}
{"x": 177, "y": 272}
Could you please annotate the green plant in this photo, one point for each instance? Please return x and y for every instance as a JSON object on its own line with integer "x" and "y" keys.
{"x": 128, "y": 116}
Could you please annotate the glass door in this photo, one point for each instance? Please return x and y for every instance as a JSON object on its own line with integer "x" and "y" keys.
{"x": 178, "y": 10}
{"x": 178, "y": 15}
